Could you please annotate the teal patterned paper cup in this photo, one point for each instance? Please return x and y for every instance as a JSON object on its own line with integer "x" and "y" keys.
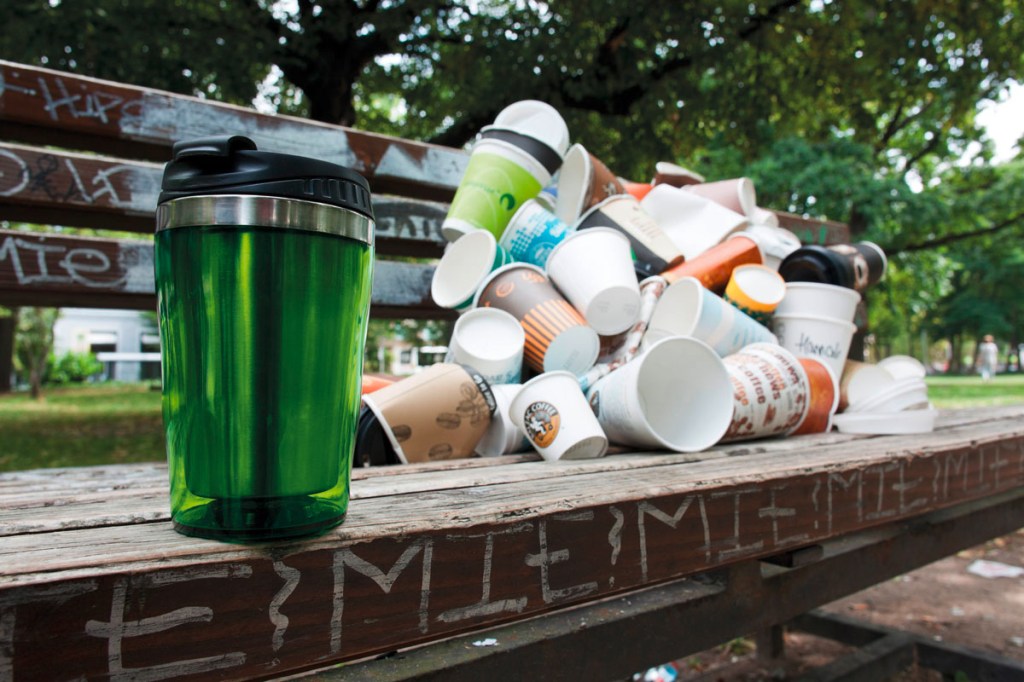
{"x": 533, "y": 233}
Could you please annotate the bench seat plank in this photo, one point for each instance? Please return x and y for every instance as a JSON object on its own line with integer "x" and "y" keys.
{"x": 458, "y": 549}
{"x": 139, "y": 495}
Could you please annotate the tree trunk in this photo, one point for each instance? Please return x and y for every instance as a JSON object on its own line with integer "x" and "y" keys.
{"x": 36, "y": 382}
{"x": 7, "y": 326}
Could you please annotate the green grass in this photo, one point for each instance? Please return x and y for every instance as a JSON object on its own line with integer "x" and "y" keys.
{"x": 80, "y": 426}
{"x": 113, "y": 423}
{"x": 972, "y": 391}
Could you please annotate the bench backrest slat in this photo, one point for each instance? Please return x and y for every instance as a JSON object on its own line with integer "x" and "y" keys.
{"x": 83, "y": 152}
{"x": 41, "y": 106}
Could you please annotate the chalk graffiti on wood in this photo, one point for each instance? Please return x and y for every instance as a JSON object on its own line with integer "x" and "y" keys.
{"x": 31, "y": 260}
{"x": 326, "y": 604}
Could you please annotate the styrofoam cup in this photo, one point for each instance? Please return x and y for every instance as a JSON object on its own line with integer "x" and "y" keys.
{"x": 594, "y": 270}
{"x": 819, "y": 299}
{"x": 677, "y": 396}
{"x": 824, "y": 338}
{"x": 686, "y": 308}
{"x": 502, "y": 437}
{"x": 463, "y": 268}
{"x": 553, "y": 413}
{"x": 490, "y": 341}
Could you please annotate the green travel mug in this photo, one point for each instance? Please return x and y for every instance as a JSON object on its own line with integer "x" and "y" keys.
{"x": 263, "y": 269}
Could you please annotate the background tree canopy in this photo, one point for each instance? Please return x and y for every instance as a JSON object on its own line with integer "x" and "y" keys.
{"x": 862, "y": 112}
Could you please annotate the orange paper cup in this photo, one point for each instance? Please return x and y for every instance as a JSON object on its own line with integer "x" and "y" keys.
{"x": 714, "y": 267}
{"x": 824, "y": 398}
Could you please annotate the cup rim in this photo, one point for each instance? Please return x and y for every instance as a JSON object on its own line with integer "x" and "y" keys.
{"x": 817, "y": 318}
{"x": 597, "y": 229}
{"x": 487, "y": 312}
{"x": 494, "y": 273}
{"x": 484, "y": 263}
{"x": 769, "y": 272}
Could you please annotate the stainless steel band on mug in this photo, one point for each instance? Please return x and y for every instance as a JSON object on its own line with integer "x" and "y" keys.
{"x": 227, "y": 210}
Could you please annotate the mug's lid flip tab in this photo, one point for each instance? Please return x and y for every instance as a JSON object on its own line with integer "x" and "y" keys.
{"x": 230, "y": 170}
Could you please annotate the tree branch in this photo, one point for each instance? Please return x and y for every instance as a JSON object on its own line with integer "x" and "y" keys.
{"x": 961, "y": 236}
{"x": 758, "y": 21}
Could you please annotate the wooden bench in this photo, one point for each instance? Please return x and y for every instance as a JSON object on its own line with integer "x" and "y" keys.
{"x": 507, "y": 567}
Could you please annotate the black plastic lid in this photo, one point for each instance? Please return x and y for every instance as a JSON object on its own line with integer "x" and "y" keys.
{"x": 231, "y": 164}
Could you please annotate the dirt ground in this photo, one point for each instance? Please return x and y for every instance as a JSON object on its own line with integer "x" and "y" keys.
{"x": 942, "y": 601}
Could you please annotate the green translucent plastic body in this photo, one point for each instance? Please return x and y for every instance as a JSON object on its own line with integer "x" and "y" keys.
{"x": 262, "y": 338}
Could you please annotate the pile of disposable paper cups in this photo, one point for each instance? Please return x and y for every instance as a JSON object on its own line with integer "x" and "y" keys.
{"x": 598, "y": 311}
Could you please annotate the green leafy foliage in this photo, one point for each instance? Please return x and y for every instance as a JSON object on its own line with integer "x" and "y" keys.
{"x": 71, "y": 368}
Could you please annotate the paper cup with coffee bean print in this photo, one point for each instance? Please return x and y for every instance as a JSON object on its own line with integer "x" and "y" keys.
{"x": 440, "y": 413}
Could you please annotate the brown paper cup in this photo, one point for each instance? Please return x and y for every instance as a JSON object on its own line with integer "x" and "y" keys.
{"x": 557, "y": 337}
{"x": 667, "y": 173}
{"x": 583, "y": 181}
{"x": 440, "y": 413}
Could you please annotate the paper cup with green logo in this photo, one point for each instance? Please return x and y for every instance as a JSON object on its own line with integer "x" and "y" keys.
{"x": 513, "y": 160}
{"x": 553, "y": 413}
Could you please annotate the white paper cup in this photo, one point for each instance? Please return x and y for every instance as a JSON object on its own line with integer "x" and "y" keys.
{"x": 490, "y": 341}
{"x": 823, "y": 338}
{"x": 463, "y": 268}
{"x": 574, "y": 180}
{"x": 688, "y": 309}
{"x": 775, "y": 242}
{"x": 693, "y": 223}
{"x": 862, "y": 381}
{"x": 594, "y": 271}
{"x": 903, "y": 366}
{"x": 736, "y": 194}
{"x": 502, "y": 436}
{"x": 901, "y": 394}
{"x": 677, "y": 396}
{"x": 819, "y": 299}
{"x": 888, "y": 423}
{"x": 533, "y": 233}
{"x": 553, "y": 413}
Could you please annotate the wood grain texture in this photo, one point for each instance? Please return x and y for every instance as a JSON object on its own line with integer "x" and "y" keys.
{"x": 62, "y": 270}
{"x": 45, "y": 107}
{"x": 425, "y": 553}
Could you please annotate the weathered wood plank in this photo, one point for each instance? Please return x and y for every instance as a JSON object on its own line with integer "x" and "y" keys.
{"x": 61, "y": 270}
{"x": 51, "y": 187}
{"x": 46, "y": 107}
{"x": 106, "y": 496}
{"x": 397, "y": 570}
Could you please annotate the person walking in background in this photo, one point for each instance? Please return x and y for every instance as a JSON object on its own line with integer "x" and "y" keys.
{"x": 988, "y": 355}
